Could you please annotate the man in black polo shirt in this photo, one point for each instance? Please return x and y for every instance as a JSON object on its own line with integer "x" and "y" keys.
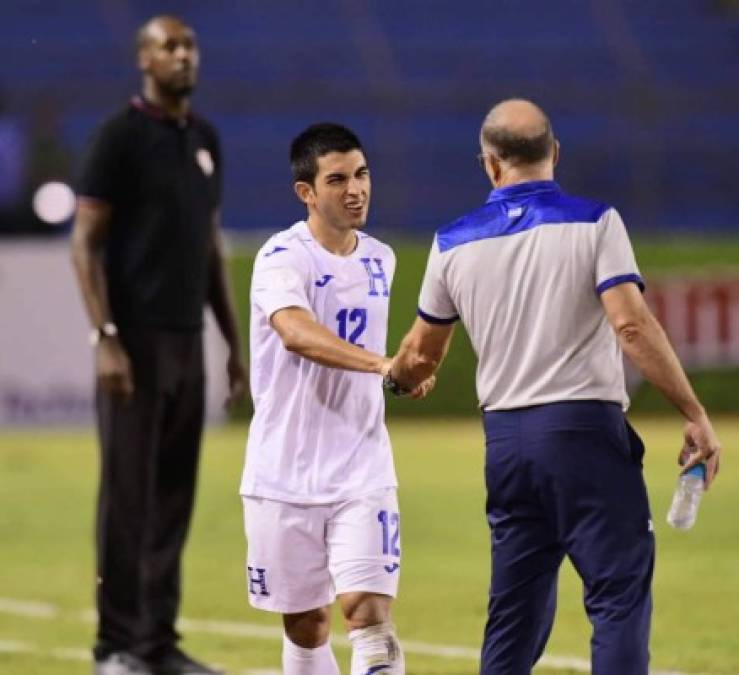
{"x": 146, "y": 248}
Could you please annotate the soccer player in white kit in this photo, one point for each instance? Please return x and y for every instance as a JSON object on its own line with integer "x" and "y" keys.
{"x": 319, "y": 485}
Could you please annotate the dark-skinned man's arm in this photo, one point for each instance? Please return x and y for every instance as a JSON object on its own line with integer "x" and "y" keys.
{"x": 89, "y": 234}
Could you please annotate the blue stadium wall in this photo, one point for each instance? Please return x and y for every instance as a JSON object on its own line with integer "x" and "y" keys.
{"x": 642, "y": 95}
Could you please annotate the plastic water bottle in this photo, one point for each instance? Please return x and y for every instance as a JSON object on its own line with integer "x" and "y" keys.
{"x": 687, "y": 497}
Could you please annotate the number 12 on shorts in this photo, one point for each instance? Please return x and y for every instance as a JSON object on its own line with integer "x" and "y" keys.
{"x": 390, "y": 522}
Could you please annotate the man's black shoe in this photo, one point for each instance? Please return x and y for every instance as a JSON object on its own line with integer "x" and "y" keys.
{"x": 120, "y": 663}
{"x": 176, "y": 662}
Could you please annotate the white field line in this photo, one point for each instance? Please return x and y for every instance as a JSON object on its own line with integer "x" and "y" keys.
{"x": 42, "y": 610}
{"x": 236, "y": 628}
{"x": 14, "y": 647}
{"x": 70, "y": 653}
{"x": 75, "y": 654}
{"x": 31, "y": 609}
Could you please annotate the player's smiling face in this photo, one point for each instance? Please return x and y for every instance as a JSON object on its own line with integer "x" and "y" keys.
{"x": 341, "y": 190}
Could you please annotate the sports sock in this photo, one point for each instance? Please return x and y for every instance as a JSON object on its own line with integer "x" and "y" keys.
{"x": 303, "y": 661}
{"x": 376, "y": 649}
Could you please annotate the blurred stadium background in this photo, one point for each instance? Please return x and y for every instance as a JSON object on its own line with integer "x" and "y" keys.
{"x": 643, "y": 98}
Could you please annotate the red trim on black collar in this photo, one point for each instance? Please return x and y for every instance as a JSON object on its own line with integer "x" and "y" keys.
{"x": 148, "y": 108}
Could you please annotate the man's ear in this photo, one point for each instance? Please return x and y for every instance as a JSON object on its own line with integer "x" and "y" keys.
{"x": 143, "y": 59}
{"x": 304, "y": 191}
{"x": 494, "y": 169}
{"x": 555, "y": 156}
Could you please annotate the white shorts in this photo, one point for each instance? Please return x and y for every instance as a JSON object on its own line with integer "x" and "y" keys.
{"x": 300, "y": 557}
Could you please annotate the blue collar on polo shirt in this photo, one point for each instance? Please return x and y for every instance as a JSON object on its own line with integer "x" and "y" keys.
{"x": 531, "y": 187}
{"x": 519, "y": 208}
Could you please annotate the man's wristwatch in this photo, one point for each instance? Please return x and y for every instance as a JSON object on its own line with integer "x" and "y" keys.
{"x": 108, "y": 329}
{"x": 392, "y": 386}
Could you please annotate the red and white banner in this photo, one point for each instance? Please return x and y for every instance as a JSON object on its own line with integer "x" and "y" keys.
{"x": 701, "y": 318}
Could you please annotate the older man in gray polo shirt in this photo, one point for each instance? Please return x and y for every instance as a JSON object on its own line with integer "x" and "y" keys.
{"x": 548, "y": 289}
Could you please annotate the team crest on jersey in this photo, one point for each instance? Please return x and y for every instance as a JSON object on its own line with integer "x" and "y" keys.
{"x": 205, "y": 161}
{"x": 377, "y": 280}
{"x": 257, "y": 578}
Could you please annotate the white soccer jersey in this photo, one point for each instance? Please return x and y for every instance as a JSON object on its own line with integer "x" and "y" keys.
{"x": 524, "y": 274}
{"x": 318, "y": 434}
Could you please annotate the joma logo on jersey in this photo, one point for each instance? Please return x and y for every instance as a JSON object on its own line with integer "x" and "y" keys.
{"x": 257, "y": 581}
{"x": 377, "y": 278}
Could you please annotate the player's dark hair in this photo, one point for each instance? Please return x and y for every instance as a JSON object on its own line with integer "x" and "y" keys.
{"x": 518, "y": 148}
{"x": 316, "y": 141}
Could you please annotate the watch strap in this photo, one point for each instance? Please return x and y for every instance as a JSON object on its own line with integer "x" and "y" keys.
{"x": 393, "y": 387}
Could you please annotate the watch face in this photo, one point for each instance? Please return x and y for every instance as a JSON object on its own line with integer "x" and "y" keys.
{"x": 106, "y": 330}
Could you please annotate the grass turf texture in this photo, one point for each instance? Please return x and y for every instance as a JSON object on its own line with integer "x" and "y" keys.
{"x": 47, "y": 486}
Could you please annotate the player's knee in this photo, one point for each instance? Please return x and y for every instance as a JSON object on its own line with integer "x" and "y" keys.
{"x": 308, "y": 629}
{"x": 365, "y": 609}
{"x": 376, "y": 649}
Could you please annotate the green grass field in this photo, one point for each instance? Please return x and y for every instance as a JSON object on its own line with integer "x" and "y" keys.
{"x": 47, "y": 486}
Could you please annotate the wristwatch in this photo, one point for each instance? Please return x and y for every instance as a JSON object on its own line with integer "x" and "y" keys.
{"x": 392, "y": 386}
{"x": 108, "y": 329}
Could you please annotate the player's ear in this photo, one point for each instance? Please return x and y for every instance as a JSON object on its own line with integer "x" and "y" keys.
{"x": 304, "y": 191}
{"x": 555, "y": 154}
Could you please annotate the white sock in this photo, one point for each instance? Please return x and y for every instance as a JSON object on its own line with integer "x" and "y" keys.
{"x": 302, "y": 661}
{"x": 376, "y": 649}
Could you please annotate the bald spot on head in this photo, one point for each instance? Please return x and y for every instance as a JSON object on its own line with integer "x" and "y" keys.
{"x": 157, "y": 28}
{"x": 517, "y": 130}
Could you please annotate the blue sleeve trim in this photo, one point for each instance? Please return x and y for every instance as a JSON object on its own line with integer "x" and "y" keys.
{"x": 428, "y": 318}
{"x": 620, "y": 279}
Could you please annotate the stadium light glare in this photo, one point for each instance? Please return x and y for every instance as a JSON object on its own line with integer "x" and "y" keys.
{"x": 54, "y": 202}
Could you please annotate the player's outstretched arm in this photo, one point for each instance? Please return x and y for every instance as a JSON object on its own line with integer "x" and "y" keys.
{"x": 421, "y": 353}
{"x": 303, "y": 335}
{"x": 644, "y": 341}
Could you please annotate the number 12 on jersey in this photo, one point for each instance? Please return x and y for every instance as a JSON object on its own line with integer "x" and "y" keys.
{"x": 390, "y": 521}
{"x": 354, "y": 320}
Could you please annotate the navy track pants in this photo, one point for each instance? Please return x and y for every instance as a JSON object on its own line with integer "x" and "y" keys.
{"x": 566, "y": 479}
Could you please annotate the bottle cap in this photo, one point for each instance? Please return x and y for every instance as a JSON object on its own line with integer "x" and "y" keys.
{"x": 698, "y": 470}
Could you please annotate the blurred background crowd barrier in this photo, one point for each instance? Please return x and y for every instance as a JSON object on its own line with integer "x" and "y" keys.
{"x": 642, "y": 96}
{"x": 46, "y": 362}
